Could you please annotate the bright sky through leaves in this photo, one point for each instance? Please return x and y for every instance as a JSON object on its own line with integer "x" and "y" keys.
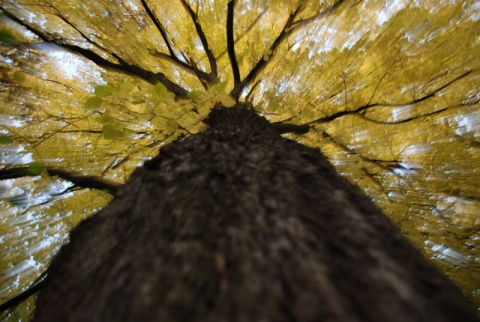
{"x": 389, "y": 89}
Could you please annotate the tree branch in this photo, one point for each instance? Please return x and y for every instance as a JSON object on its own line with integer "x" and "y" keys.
{"x": 367, "y": 106}
{"x": 304, "y": 22}
{"x": 262, "y": 63}
{"x": 32, "y": 289}
{"x": 205, "y": 78}
{"x": 231, "y": 43}
{"x": 74, "y": 177}
{"x": 250, "y": 27}
{"x": 203, "y": 39}
{"x": 282, "y": 128}
{"x": 159, "y": 26}
{"x": 383, "y": 164}
{"x": 290, "y": 26}
{"x": 84, "y": 181}
{"x": 123, "y": 67}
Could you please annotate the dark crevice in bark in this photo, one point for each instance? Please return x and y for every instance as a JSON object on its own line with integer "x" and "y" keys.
{"x": 240, "y": 224}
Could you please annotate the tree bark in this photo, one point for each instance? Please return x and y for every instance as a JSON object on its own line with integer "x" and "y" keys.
{"x": 240, "y": 224}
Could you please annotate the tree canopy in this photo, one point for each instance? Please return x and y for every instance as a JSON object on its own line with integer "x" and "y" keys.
{"x": 92, "y": 89}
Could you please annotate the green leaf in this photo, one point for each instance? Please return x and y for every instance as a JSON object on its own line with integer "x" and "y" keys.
{"x": 103, "y": 91}
{"x": 7, "y": 38}
{"x": 193, "y": 95}
{"x": 19, "y": 76}
{"x": 105, "y": 118}
{"x": 35, "y": 168}
{"x": 172, "y": 126}
{"x": 188, "y": 119}
{"x": 204, "y": 109}
{"x": 93, "y": 103}
{"x": 111, "y": 132}
{"x": 127, "y": 87}
{"x": 226, "y": 100}
{"x": 220, "y": 87}
{"x": 159, "y": 89}
{"x": 5, "y": 139}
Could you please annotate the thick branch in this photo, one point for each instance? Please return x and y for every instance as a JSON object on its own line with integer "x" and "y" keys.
{"x": 159, "y": 26}
{"x": 203, "y": 39}
{"x": 282, "y": 128}
{"x": 250, "y": 27}
{"x": 290, "y": 26}
{"x": 84, "y": 181}
{"x": 262, "y": 63}
{"x": 231, "y": 43}
{"x": 76, "y": 178}
{"x": 204, "y": 78}
{"x": 123, "y": 67}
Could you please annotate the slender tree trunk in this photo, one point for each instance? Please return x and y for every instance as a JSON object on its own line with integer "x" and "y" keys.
{"x": 240, "y": 224}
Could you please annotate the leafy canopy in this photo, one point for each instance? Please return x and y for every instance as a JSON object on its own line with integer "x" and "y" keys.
{"x": 389, "y": 90}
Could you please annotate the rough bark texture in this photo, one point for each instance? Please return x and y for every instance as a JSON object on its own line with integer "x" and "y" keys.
{"x": 239, "y": 224}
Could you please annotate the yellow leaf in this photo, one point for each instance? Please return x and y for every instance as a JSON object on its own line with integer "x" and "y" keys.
{"x": 226, "y": 100}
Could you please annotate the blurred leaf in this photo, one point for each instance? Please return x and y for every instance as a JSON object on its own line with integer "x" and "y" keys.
{"x": 35, "y": 168}
{"x": 6, "y": 37}
{"x": 193, "y": 95}
{"x": 106, "y": 118}
{"x": 226, "y": 100}
{"x": 111, "y": 132}
{"x": 93, "y": 103}
{"x": 103, "y": 91}
{"x": 19, "y": 76}
{"x": 219, "y": 88}
{"x": 159, "y": 89}
{"x": 127, "y": 87}
{"x": 5, "y": 139}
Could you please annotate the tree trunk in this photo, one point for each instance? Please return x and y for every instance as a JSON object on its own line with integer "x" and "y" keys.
{"x": 240, "y": 224}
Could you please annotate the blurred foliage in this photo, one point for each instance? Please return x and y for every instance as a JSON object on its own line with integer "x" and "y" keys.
{"x": 390, "y": 90}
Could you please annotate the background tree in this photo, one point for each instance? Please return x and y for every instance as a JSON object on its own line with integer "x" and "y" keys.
{"x": 388, "y": 92}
